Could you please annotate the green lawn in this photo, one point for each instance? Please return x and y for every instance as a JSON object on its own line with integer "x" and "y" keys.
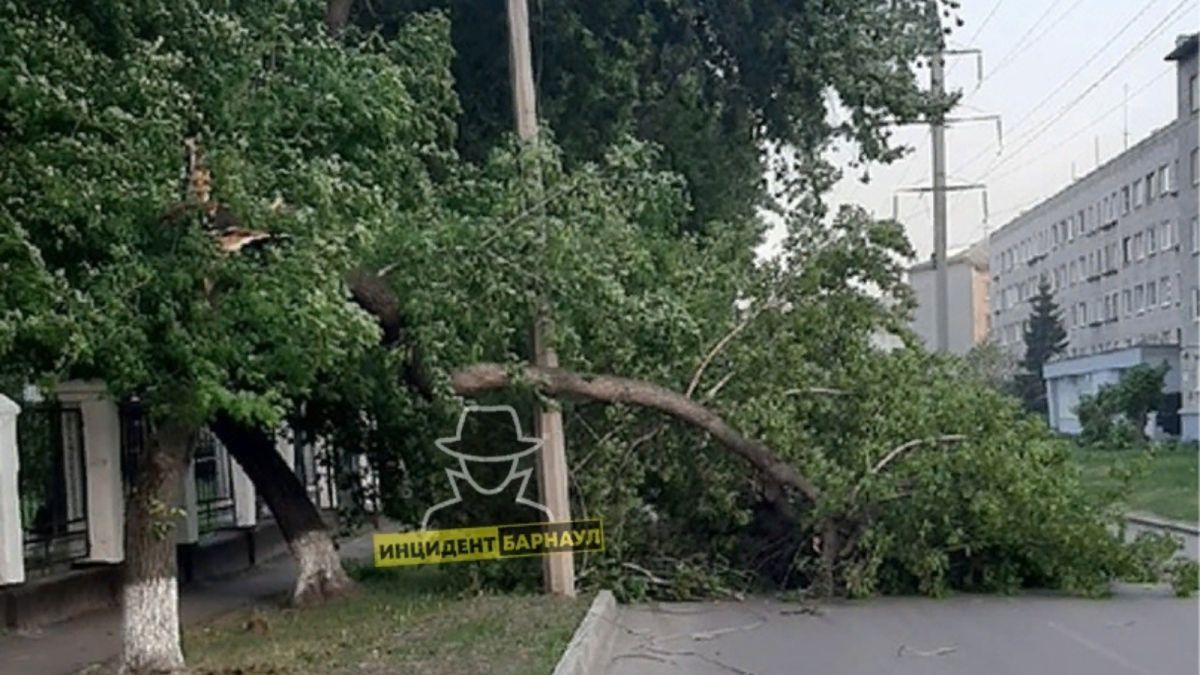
{"x": 1168, "y": 488}
{"x": 402, "y": 621}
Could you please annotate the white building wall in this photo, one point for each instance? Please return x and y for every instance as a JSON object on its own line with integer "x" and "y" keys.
{"x": 1119, "y": 248}
{"x": 961, "y": 298}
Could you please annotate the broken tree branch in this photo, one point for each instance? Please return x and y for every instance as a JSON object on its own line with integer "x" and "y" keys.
{"x": 905, "y": 447}
{"x": 483, "y": 377}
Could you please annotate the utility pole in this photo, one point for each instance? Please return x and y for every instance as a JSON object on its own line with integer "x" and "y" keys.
{"x": 937, "y": 132}
{"x": 558, "y": 569}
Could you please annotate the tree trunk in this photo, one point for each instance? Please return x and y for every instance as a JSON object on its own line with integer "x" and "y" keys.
{"x": 150, "y": 597}
{"x": 321, "y": 575}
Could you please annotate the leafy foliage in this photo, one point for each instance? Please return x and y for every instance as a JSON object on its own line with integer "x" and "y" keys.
{"x": 729, "y": 90}
{"x": 123, "y": 284}
{"x": 1115, "y": 416}
{"x": 928, "y": 480}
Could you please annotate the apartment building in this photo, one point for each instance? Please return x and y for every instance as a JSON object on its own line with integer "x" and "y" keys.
{"x": 967, "y": 311}
{"x": 1119, "y": 248}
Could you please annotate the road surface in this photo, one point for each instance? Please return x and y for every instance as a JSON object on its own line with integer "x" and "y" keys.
{"x": 1140, "y": 631}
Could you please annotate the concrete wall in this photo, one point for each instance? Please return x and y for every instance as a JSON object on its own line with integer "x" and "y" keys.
{"x": 967, "y": 300}
{"x": 1189, "y": 230}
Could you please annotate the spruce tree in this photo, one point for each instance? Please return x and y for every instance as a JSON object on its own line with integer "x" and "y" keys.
{"x": 1044, "y": 338}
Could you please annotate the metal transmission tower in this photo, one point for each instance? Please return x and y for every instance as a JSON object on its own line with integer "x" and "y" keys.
{"x": 937, "y": 134}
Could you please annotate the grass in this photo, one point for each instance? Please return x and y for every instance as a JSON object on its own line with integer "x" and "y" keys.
{"x": 405, "y": 621}
{"x": 1167, "y": 488}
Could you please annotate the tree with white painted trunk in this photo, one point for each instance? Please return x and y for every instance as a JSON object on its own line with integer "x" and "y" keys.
{"x": 227, "y": 303}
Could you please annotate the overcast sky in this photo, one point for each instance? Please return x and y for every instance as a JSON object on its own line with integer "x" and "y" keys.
{"x": 1045, "y": 65}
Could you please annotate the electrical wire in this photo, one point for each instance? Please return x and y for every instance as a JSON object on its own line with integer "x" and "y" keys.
{"x": 1047, "y": 124}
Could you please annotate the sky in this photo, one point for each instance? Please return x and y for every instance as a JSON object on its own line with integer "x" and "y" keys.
{"x": 1056, "y": 71}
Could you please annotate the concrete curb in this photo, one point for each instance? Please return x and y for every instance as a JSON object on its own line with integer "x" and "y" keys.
{"x": 589, "y": 646}
{"x": 1163, "y": 524}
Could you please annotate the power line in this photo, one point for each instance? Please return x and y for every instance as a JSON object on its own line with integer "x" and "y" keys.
{"x": 1040, "y": 35}
{"x": 983, "y": 24}
{"x": 1087, "y": 61}
{"x": 1055, "y": 90}
{"x": 1045, "y": 126}
{"x": 1011, "y": 54}
{"x": 1089, "y": 125}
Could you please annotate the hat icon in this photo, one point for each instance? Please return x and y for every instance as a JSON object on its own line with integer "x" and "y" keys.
{"x": 488, "y": 434}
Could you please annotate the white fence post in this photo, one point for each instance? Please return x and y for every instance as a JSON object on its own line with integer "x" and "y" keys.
{"x": 102, "y": 467}
{"x": 12, "y": 549}
{"x": 245, "y": 500}
{"x": 188, "y": 531}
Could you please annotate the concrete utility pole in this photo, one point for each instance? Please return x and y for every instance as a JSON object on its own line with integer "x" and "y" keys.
{"x": 559, "y": 568}
{"x": 937, "y": 131}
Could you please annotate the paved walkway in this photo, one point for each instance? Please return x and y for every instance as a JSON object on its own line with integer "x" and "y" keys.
{"x": 75, "y": 644}
{"x": 1140, "y": 631}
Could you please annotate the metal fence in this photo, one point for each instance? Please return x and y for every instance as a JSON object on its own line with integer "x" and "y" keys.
{"x": 214, "y": 487}
{"x": 53, "y": 486}
{"x": 213, "y": 471}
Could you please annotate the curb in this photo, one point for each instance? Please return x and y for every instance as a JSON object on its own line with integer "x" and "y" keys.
{"x": 589, "y": 646}
{"x": 1163, "y": 524}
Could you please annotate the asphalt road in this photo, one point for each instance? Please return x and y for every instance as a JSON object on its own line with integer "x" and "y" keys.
{"x": 1141, "y": 630}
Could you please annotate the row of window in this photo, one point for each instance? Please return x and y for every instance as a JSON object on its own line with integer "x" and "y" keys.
{"x": 1141, "y": 192}
{"x": 1104, "y": 260}
{"x": 1138, "y": 300}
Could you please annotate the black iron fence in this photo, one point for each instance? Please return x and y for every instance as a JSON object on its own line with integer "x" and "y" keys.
{"x": 53, "y": 486}
{"x": 215, "y": 504}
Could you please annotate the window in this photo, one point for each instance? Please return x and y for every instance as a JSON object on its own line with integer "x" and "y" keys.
{"x": 1137, "y": 193}
{"x": 1139, "y": 298}
{"x": 1193, "y": 94}
{"x": 1195, "y": 234}
{"x": 1125, "y": 193}
{"x": 1082, "y": 223}
{"x": 1195, "y": 164}
{"x": 1151, "y": 241}
{"x": 1149, "y": 188}
{"x": 1166, "y": 235}
{"x": 1126, "y": 251}
{"x": 1164, "y": 285}
{"x": 1151, "y": 295}
{"x": 1195, "y": 302}
{"x": 1070, "y": 228}
{"x": 1074, "y": 273}
{"x": 1127, "y": 301}
{"x": 1164, "y": 180}
{"x": 1091, "y": 217}
{"x": 1083, "y": 312}
{"x": 1138, "y": 248}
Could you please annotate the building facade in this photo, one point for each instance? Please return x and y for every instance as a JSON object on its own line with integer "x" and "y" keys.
{"x": 967, "y": 281}
{"x": 1119, "y": 248}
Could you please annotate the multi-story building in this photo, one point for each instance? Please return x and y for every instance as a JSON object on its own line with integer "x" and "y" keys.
{"x": 967, "y": 297}
{"x": 1119, "y": 248}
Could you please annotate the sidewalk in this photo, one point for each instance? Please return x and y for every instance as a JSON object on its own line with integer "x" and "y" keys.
{"x": 72, "y": 645}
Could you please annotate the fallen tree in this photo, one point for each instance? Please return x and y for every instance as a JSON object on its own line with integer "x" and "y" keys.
{"x": 780, "y": 476}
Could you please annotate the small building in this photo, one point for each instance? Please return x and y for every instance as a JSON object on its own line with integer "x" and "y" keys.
{"x": 1069, "y": 380}
{"x": 967, "y": 279}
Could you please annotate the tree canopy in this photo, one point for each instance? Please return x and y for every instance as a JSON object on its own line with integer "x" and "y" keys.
{"x": 731, "y": 91}
{"x": 137, "y": 138}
